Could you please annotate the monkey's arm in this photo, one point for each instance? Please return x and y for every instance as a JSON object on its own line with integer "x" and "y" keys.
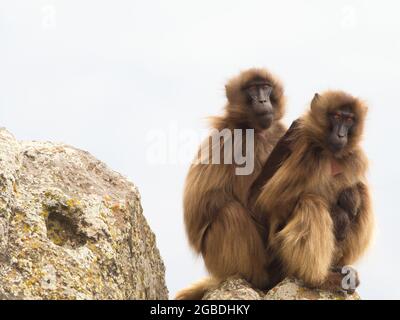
{"x": 345, "y": 210}
{"x": 275, "y": 160}
{"x": 306, "y": 244}
{"x": 341, "y": 222}
{"x": 361, "y": 229}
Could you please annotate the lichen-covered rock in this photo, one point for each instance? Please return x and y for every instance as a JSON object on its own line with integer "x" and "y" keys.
{"x": 288, "y": 289}
{"x": 234, "y": 289}
{"x": 70, "y": 228}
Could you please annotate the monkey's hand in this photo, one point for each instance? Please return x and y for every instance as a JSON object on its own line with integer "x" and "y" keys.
{"x": 341, "y": 222}
{"x": 350, "y": 201}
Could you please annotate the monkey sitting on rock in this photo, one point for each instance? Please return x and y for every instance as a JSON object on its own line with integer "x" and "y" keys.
{"x": 317, "y": 205}
{"x": 218, "y": 223}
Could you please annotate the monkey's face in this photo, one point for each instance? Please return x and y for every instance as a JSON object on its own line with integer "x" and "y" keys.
{"x": 336, "y": 121}
{"x": 259, "y": 103}
{"x": 341, "y": 123}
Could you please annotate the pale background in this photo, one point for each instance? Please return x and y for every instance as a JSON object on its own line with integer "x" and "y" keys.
{"x": 105, "y": 75}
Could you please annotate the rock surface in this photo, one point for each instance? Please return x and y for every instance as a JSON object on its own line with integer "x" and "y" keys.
{"x": 70, "y": 228}
{"x": 288, "y": 289}
{"x": 234, "y": 289}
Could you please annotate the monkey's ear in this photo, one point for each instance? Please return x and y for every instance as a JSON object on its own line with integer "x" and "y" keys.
{"x": 316, "y": 98}
{"x": 226, "y": 91}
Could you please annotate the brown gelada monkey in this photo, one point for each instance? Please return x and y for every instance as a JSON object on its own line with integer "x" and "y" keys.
{"x": 218, "y": 222}
{"x": 317, "y": 204}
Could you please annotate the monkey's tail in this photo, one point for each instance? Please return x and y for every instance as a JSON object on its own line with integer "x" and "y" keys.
{"x": 197, "y": 290}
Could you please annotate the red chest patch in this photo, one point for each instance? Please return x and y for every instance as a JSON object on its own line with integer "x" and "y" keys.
{"x": 336, "y": 168}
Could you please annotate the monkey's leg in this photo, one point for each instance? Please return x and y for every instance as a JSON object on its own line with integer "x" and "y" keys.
{"x": 307, "y": 242}
{"x": 361, "y": 229}
{"x": 233, "y": 246}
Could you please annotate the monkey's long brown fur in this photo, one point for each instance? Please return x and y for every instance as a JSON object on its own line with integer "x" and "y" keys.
{"x": 218, "y": 223}
{"x": 296, "y": 201}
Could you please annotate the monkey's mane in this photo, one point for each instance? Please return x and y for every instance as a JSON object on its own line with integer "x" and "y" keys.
{"x": 316, "y": 120}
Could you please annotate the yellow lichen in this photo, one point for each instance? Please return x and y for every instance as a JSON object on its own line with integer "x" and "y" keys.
{"x": 31, "y": 281}
{"x": 116, "y": 207}
{"x": 26, "y": 228}
{"x": 44, "y": 214}
{"x": 73, "y": 202}
{"x": 18, "y": 217}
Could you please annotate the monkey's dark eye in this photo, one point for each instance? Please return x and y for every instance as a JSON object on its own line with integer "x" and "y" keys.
{"x": 252, "y": 89}
{"x": 268, "y": 89}
{"x": 336, "y": 116}
{"x": 349, "y": 120}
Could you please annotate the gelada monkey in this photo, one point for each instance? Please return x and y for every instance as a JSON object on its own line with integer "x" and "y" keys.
{"x": 218, "y": 223}
{"x": 317, "y": 203}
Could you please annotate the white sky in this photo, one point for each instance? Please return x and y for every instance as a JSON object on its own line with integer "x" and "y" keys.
{"x": 105, "y": 75}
